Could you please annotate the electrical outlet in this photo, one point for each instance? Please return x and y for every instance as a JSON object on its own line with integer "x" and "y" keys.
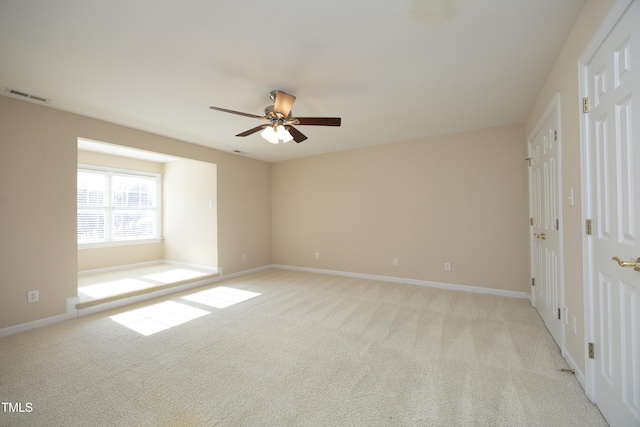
{"x": 244, "y": 257}
{"x": 447, "y": 266}
{"x": 395, "y": 262}
{"x": 317, "y": 255}
{"x": 33, "y": 296}
{"x": 574, "y": 326}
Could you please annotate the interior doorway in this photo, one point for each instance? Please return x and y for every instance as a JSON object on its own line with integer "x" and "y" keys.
{"x": 545, "y": 209}
{"x": 610, "y": 140}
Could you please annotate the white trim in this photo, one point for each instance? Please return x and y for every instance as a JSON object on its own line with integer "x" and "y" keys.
{"x": 554, "y": 106}
{"x": 118, "y": 243}
{"x": 449, "y": 286}
{"x": 585, "y": 186}
{"x": 245, "y": 272}
{"x": 615, "y": 13}
{"x": 612, "y": 18}
{"x": 573, "y": 365}
{"x": 532, "y": 290}
{"x": 110, "y": 209}
{"x": 70, "y": 313}
{"x": 72, "y": 302}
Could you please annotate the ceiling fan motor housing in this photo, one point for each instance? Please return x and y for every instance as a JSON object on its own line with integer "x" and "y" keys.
{"x": 276, "y": 117}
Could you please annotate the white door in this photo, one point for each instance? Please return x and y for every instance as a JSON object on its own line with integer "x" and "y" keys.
{"x": 545, "y": 212}
{"x": 611, "y": 81}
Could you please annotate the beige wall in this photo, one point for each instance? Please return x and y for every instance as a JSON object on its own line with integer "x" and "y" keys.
{"x": 458, "y": 198}
{"x": 38, "y": 161}
{"x": 90, "y": 259}
{"x": 119, "y": 162}
{"x": 563, "y": 79}
{"x": 189, "y": 214}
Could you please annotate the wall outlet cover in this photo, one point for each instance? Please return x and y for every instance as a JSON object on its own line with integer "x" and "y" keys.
{"x": 33, "y": 296}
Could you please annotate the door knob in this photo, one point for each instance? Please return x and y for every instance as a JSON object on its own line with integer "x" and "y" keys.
{"x": 628, "y": 264}
{"x": 540, "y": 236}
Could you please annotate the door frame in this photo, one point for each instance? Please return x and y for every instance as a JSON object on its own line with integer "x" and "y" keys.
{"x": 553, "y": 107}
{"x": 610, "y": 21}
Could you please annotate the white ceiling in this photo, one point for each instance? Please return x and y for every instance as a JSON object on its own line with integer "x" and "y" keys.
{"x": 393, "y": 70}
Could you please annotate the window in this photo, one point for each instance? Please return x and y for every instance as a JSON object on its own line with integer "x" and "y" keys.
{"x": 117, "y": 207}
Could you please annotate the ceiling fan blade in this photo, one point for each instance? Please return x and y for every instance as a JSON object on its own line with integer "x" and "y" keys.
{"x": 252, "y": 131}
{"x": 283, "y": 103}
{"x": 296, "y": 134}
{"x": 224, "y": 110}
{"x": 319, "y": 121}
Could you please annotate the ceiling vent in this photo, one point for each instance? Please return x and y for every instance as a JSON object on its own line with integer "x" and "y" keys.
{"x": 22, "y": 94}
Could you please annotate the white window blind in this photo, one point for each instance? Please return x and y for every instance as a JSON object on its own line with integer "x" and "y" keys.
{"x": 115, "y": 206}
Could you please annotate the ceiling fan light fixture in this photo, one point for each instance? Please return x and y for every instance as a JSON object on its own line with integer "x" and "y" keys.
{"x": 270, "y": 135}
{"x": 283, "y": 134}
{"x": 276, "y": 134}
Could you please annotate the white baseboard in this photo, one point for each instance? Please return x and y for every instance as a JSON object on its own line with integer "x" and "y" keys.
{"x": 244, "y": 272}
{"x": 449, "y": 286}
{"x": 573, "y": 365}
{"x": 70, "y": 313}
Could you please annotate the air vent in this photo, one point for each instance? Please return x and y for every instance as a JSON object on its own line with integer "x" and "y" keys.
{"x": 26, "y": 95}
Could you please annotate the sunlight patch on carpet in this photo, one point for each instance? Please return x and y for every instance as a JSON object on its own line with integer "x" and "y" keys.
{"x": 116, "y": 287}
{"x": 221, "y": 297}
{"x": 158, "y": 317}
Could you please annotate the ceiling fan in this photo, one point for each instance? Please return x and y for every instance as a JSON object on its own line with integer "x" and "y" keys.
{"x": 279, "y": 126}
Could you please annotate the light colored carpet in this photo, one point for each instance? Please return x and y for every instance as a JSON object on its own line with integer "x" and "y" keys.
{"x": 280, "y": 348}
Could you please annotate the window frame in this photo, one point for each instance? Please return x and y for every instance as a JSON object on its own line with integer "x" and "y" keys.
{"x": 110, "y": 172}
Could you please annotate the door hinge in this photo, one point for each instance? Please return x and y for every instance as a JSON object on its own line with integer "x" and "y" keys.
{"x": 533, "y": 281}
{"x": 585, "y": 105}
{"x": 528, "y": 159}
{"x": 587, "y": 227}
{"x": 558, "y": 314}
{"x": 557, "y": 224}
{"x": 591, "y": 355}
{"x": 555, "y": 135}
{"x": 531, "y": 221}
